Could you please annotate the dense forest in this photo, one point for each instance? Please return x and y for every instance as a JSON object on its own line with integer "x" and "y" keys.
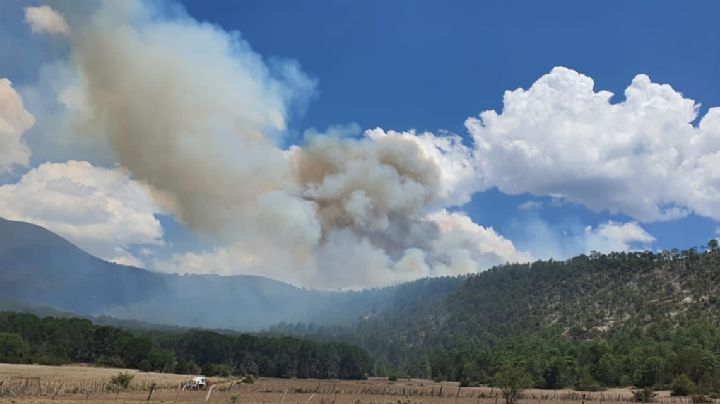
{"x": 598, "y": 320}
{"x": 26, "y": 338}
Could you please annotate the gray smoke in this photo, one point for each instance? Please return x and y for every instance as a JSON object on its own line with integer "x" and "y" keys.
{"x": 192, "y": 111}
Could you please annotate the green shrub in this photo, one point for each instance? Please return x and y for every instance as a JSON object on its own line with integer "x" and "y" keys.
{"x": 51, "y": 360}
{"x": 122, "y": 380}
{"x": 214, "y": 369}
{"x": 249, "y": 379}
{"x": 13, "y": 349}
{"x": 145, "y": 366}
{"x": 110, "y": 361}
{"x": 587, "y": 383}
{"x": 187, "y": 368}
{"x": 682, "y": 386}
{"x": 512, "y": 381}
{"x": 466, "y": 382}
{"x": 644, "y": 395}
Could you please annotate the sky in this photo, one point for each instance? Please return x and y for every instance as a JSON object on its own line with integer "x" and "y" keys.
{"x": 356, "y": 144}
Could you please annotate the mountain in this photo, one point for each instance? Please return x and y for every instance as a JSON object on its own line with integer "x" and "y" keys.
{"x": 618, "y": 319}
{"x": 613, "y": 319}
{"x": 40, "y": 268}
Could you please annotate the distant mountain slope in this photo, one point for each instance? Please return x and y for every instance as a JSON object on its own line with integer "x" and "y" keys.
{"x": 584, "y": 298}
{"x": 38, "y": 267}
{"x": 588, "y": 296}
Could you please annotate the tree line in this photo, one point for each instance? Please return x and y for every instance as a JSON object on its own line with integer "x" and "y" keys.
{"x": 26, "y": 338}
{"x": 658, "y": 357}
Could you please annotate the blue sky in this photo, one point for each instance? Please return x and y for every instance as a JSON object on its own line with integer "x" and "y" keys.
{"x": 428, "y": 65}
{"x": 545, "y": 170}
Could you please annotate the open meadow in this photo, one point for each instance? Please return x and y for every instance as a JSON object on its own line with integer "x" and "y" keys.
{"x": 78, "y": 383}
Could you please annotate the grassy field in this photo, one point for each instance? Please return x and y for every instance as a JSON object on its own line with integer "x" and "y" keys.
{"x": 69, "y": 384}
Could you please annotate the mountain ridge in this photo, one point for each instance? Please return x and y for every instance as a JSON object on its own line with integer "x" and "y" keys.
{"x": 38, "y": 267}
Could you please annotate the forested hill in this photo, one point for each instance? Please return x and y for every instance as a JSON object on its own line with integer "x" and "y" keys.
{"x": 588, "y": 296}
{"x": 624, "y": 300}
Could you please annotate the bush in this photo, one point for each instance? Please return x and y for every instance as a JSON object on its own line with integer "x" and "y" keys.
{"x": 466, "y": 382}
{"x": 587, "y": 383}
{"x": 51, "y": 360}
{"x": 701, "y": 398}
{"x": 644, "y": 395}
{"x": 110, "y": 361}
{"x": 249, "y": 379}
{"x": 392, "y": 378}
{"x": 682, "y": 386}
{"x": 187, "y": 368}
{"x": 122, "y": 380}
{"x": 13, "y": 349}
{"x": 145, "y": 366}
{"x": 214, "y": 369}
{"x": 163, "y": 361}
{"x": 512, "y": 381}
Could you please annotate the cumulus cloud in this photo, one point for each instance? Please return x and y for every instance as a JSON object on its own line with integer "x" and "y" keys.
{"x": 14, "y": 121}
{"x": 614, "y": 236}
{"x": 44, "y": 19}
{"x": 530, "y": 205}
{"x": 101, "y": 210}
{"x": 568, "y": 238}
{"x": 641, "y": 157}
{"x": 57, "y": 101}
{"x": 466, "y": 247}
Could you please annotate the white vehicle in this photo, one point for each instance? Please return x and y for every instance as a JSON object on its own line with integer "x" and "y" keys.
{"x": 197, "y": 383}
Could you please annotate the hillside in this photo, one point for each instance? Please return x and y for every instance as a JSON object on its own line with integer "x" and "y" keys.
{"x": 39, "y": 269}
{"x": 636, "y": 318}
{"x": 631, "y": 307}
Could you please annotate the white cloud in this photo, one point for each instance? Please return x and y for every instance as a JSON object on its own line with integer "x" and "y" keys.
{"x": 14, "y": 121}
{"x": 467, "y": 247}
{"x": 101, "y": 210}
{"x": 641, "y": 157}
{"x": 614, "y": 236}
{"x": 57, "y": 101}
{"x": 44, "y": 19}
{"x": 530, "y": 205}
{"x": 566, "y": 239}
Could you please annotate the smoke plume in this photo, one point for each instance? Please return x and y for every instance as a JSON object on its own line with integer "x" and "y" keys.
{"x": 14, "y": 121}
{"x": 192, "y": 111}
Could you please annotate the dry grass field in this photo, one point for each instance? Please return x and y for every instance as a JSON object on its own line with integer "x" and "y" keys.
{"x": 70, "y": 384}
